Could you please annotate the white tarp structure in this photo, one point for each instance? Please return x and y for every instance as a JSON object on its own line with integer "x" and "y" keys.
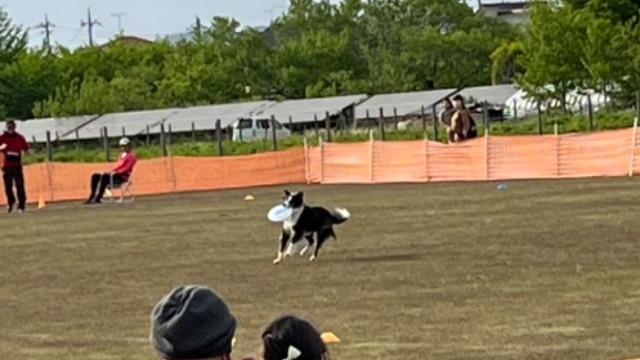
{"x": 522, "y": 105}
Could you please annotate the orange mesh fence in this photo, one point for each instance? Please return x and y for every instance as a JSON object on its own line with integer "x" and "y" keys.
{"x": 612, "y": 153}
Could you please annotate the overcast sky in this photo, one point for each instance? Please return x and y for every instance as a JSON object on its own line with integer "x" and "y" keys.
{"x": 145, "y": 18}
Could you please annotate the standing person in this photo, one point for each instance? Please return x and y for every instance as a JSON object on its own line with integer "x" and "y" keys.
{"x": 461, "y": 121}
{"x": 13, "y": 146}
{"x": 120, "y": 174}
{"x": 445, "y": 117}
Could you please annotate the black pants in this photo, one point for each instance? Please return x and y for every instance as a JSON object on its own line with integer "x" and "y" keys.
{"x": 11, "y": 176}
{"x": 100, "y": 182}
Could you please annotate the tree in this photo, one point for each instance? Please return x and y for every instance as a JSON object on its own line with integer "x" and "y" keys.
{"x": 617, "y": 11}
{"x": 31, "y": 76}
{"x": 553, "y": 53}
{"x": 13, "y": 43}
{"x": 505, "y": 62}
{"x": 605, "y": 50}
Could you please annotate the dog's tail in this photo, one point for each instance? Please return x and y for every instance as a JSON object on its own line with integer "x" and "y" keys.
{"x": 340, "y": 216}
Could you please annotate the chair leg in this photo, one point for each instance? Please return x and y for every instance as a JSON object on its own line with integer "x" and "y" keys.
{"x": 124, "y": 192}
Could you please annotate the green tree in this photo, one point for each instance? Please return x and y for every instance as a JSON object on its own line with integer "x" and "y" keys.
{"x": 553, "y": 53}
{"x": 618, "y": 11}
{"x": 605, "y": 50}
{"x": 505, "y": 62}
{"x": 13, "y": 43}
{"x": 32, "y": 76}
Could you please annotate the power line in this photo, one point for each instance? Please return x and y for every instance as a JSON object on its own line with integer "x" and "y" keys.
{"x": 90, "y": 23}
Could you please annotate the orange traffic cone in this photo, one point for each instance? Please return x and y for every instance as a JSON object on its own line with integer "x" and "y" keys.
{"x": 329, "y": 338}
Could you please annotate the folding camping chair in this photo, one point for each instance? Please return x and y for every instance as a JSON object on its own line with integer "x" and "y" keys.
{"x": 126, "y": 190}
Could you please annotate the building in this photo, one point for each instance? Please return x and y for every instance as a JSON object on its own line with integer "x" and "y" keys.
{"x": 513, "y": 12}
{"x": 133, "y": 41}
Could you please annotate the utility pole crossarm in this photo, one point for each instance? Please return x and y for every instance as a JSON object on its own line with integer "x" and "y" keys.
{"x": 47, "y": 26}
{"x": 90, "y": 23}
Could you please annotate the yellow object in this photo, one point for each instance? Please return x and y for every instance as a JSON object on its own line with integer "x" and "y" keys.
{"x": 329, "y": 338}
{"x": 41, "y": 203}
{"x": 249, "y": 198}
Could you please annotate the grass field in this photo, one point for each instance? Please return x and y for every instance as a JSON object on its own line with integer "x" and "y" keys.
{"x": 543, "y": 270}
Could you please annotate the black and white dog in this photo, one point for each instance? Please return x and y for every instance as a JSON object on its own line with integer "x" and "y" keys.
{"x": 305, "y": 222}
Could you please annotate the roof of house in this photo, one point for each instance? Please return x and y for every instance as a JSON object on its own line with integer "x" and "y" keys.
{"x": 128, "y": 40}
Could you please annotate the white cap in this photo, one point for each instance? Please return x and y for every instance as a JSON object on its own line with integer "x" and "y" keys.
{"x": 124, "y": 141}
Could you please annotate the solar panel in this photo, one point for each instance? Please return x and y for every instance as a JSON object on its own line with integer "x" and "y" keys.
{"x": 121, "y": 124}
{"x": 35, "y": 130}
{"x": 495, "y": 95}
{"x": 403, "y": 103}
{"x": 303, "y": 110}
{"x": 204, "y": 117}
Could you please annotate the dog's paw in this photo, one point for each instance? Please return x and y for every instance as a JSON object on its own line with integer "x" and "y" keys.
{"x": 312, "y": 258}
{"x": 304, "y": 251}
{"x": 276, "y": 261}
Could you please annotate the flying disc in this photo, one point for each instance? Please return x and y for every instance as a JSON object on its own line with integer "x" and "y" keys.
{"x": 279, "y": 213}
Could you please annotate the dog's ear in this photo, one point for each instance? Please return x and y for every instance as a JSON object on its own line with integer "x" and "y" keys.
{"x": 301, "y": 194}
{"x": 287, "y": 192}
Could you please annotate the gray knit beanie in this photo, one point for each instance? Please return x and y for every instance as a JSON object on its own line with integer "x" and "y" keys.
{"x": 192, "y": 322}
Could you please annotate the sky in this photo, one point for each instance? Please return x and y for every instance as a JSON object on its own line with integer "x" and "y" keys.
{"x": 144, "y": 18}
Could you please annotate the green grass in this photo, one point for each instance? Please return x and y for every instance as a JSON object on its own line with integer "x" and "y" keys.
{"x": 68, "y": 152}
{"x": 544, "y": 270}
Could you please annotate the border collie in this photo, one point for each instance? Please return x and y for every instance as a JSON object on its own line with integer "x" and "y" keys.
{"x": 305, "y": 222}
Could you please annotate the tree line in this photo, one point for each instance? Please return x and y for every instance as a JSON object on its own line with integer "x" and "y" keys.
{"x": 319, "y": 49}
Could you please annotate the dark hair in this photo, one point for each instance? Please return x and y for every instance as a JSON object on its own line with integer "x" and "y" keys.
{"x": 448, "y": 101}
{"x": 292, "y": 331}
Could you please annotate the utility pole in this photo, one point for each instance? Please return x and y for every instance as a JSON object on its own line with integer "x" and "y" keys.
{"x": 90, "y": 23}
{"x": 48, "y": 29}
{"x": 198, "y": 27}
{"x": 119, "y": 17}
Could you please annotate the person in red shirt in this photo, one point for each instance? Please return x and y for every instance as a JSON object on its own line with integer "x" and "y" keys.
{"x": 13, "y": 145}
{"x": 120, "y": 173}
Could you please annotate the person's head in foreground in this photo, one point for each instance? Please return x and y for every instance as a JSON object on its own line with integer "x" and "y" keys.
{"x": 10, "y": 127}
{"x": 447, "y": 104}
{"x": 192, "y": 323}
{"x": 125, "y": 144}
{"x": 290, "y": 337}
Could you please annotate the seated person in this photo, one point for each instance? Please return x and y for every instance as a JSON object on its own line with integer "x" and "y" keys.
{"x": 192, "y": 322}
{"x": 290, "y": 337}
{"x": 120, "y": 173}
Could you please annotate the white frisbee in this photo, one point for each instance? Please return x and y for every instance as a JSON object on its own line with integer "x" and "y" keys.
{"x": 279, "y": 213}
